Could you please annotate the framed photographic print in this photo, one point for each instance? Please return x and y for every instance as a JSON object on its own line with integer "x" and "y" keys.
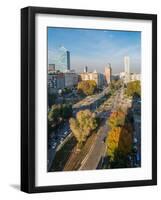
{"x": 88, "y": 99}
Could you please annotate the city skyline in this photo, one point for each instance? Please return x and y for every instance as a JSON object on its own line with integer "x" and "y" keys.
{"x": 96, "y": 48}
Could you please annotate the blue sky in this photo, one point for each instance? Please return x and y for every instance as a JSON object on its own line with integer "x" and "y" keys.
{"x": 96, "y": 48}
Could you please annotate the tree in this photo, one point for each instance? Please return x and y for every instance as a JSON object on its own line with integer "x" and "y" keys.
{"x": 115, "y": 85}
{"x": 119, "y": 142}
{"x": 83, "y": 126}
{"x": 54, "y": 114}
{"x": 87, "y": 87}
{"x": 59, "y": 112}
{"x": 116, "y": 119}
{"x": 51, "y": 99}
{"x": 66, "y": 111}
{"x": 125, "y": 142}
{"x": 133, "y": 88}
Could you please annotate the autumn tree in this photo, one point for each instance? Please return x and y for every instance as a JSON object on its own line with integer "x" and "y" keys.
{"x": 87, "y": 87}
{"x": 133, "y": 88}
{"x": 119, "y": 141}
{"x": 83, "y": 126}
{"x": 116, "y": 119}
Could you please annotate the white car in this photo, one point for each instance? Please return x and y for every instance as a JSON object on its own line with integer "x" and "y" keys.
{"x": 53, "y": 146}
{"x": 61, "y": 140}
{"x": 66, "y": 132}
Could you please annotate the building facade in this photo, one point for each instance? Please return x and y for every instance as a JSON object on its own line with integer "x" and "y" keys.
{"x": 85, "y": 69}
{"x": 97, "y": 77}
{"x": 55, "y": 82}
{"x": 131, "y": 77}
{"x": 127, "y": 64}
{"x": 59, "y": 81}
{"x": 71, "y": 79}
{"x": 127, "y": 69}
{"x": 62, "y": 59}
{"x": 108, "y": 73}
{"x": 51, "y": 68}
{"x": 135, "y": 77}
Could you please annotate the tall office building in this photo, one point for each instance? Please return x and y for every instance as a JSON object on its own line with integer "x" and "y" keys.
{"x": 127, "y": 64}
{"x": 62, "y": 59}
{"x": 68, "y": 60}
{"x": 127, "y": 69}
{"x": 85, "y": 69}
{"x": 108, "y": 73}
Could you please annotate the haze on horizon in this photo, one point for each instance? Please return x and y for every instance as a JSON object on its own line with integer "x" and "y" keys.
{"x": 96, "y": 48}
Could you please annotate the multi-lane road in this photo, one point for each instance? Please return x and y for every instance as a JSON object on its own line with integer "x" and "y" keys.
{"x": 95, "y": 157}
{"x": 56, "y": 138}
{"x": 96, "y": 154}
{"x": 59, "y": 135}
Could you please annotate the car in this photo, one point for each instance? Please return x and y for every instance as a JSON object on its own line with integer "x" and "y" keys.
{"x": 66, "y": 132}
{"x": 61, "y": 140}
{"x": 53, "y": 146}
{"x": 135, "y": 140}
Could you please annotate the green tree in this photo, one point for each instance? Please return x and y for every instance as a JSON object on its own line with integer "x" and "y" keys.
{"x": 66, "y": 111}
{"x": 133, "y": 88}
{"x": 83, "y": 126}
{"x": 59, "y": 112}
{"x": 87, "y": 87}
{"x": 54, "y": 114}
{"x": 115, "y": 85}
{"x": 51, "y": 99}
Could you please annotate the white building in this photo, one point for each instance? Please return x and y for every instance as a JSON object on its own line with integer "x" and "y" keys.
{"x": 108, "y": 73}
{"x": 127, "y": 64}
{"x": 135, "y": 77}
{"x": 127, "y": 69}
{"x": 131, "y": 77}
{"x": 97, "y": 77}
{"x": 122, "y": 75}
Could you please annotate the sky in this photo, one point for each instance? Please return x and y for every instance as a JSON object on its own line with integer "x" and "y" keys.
{"x": 96, "y": 48}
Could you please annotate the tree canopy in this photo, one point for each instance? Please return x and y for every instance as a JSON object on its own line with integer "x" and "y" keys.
{"x": 83, "y": 125}
{"x": 59, "y": 112}
{"x": 115, "y": 85}
{"x": 116, "y": 118}
{"x": 119, "y": 140}
{"x": 87, "y": 87}
{"x": 133, "y": 88}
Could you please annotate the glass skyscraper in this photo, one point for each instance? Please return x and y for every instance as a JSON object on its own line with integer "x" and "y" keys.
{"x": 62, "y": 59}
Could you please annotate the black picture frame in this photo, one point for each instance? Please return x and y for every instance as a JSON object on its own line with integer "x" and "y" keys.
{"x": 28, "y": 98}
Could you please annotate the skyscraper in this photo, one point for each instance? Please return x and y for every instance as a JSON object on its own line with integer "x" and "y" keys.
{"x": 62, "y": 59}
{"x": 85, "y": 69}
{"x": 108, "y": 73}
{"x": 68, "y": 60}
{"x": 127, "y": 68}
{"x": 127, "y": 65}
